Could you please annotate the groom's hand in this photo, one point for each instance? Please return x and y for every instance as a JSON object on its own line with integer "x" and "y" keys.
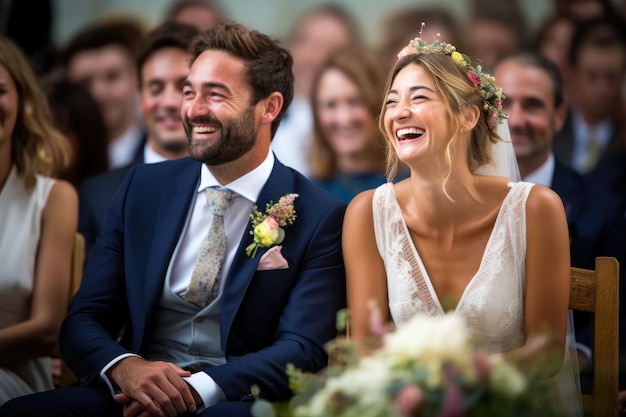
{"x": 152, "y": 388}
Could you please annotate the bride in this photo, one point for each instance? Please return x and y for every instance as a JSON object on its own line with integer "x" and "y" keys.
{"x": 461, "y": 233}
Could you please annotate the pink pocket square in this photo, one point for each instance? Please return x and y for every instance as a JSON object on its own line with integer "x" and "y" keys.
{"x": 272, "y": 259}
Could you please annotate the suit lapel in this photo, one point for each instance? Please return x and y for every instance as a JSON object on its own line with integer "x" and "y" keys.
{"x": 279, "y": 183}
{"x": 565, "y": 184}
{"x": 563, "y": 144}
{"x": 171, "y": 215}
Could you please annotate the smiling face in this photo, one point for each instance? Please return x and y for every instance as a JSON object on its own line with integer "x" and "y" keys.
{"x": 9, "y": 101}
{"x": 220, "y": 121}
{"x": 416, "y": 118}
{"x": 533, "y": 118}
{"x": 343, "y": 116}
{"x": 161, "y": 98}
{"x": 109, "y": 74}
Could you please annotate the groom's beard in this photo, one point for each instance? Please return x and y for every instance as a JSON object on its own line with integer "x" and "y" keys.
{"x": 236, "y": 137}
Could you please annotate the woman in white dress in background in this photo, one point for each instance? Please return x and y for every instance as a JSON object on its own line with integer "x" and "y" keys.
{"x": 458, "y": 234}
{"x": 38, "y": 217}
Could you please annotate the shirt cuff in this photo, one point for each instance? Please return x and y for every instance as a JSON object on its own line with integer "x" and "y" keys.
{"x": 207, "y": 389}
{"x": 114, "y": 390}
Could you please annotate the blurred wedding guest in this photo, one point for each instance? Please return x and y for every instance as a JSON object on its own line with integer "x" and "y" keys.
{"x": 595, "y": 127}
{"x": 348, "y": 151}
{"x": 494, "y": 29}
{"x": 101, "y": 56}
{"x": 553, "y": 41}
{"x": 77, "y": 115}
{"x": 314, "y": 36}
{"x": 404, "y": 23}
{"x": 162, "y": 69}
{"x": 202, "y": 14}
{"x": 597, "y": 227}
{"x": 37, "y": 227}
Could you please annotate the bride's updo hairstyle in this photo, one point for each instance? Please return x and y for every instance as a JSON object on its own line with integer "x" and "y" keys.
{"x": 462, "y": 87}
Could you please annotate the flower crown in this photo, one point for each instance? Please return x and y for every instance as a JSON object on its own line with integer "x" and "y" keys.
{"x": 491, "y": 94}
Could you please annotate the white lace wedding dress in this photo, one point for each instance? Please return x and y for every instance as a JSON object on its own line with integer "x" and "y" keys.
{"x": 493, "y": 301}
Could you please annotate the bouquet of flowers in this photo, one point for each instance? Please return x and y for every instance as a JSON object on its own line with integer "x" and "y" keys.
{"x": 428, "y": 367}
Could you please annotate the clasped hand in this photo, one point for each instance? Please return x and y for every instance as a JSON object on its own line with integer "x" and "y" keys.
{"x": 153, "y": 388}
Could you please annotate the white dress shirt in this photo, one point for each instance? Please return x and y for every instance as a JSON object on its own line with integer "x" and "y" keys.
{"x": 294, "y": 136}
{"x": 150, "y": 156}
{"x": 544, "y": 174}
{"x": 236, "y": 220}
{"x": 122, "y": 150}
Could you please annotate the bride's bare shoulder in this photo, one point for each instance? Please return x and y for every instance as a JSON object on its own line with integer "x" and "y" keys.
{"x": 543, "y": 200}
{"x": 362, "y": 202}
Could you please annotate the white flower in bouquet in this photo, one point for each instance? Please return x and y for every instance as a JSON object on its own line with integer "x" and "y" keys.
{"x": 432, "y": 342}
{"x": 428, "y": 367}
{"x": 354, "y": 392}
{"x": 505, "y": 378}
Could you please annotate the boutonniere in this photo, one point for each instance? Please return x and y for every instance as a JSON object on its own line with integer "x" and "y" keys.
{"x": 267, "y": 229}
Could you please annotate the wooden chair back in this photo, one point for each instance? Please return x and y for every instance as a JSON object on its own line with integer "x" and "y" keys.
{"x": 597, "y": 291}
{"x": 78, "y": 263}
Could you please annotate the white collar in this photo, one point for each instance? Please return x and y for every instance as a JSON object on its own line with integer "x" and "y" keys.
{"x": 248, "y": 186}
{"x": 150, "y": 156}
{"x": 544, "y": 174}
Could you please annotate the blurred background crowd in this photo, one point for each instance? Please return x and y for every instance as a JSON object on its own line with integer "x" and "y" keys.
{"x": 59, "y": 40}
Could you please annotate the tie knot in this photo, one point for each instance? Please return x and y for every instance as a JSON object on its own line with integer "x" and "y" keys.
{"x": 219, "y": 199}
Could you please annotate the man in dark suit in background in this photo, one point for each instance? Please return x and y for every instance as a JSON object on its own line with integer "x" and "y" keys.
{"x": 597, "y": 226}
{"x": 181, "y": 356}
{"x": 162, "y": 68}
{"x": 594, "y": 130}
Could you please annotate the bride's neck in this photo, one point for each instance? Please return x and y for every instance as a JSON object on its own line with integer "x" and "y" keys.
{"x": 439, "y": 202}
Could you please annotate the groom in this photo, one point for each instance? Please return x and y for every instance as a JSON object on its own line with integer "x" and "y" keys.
{"x": 137, "y": 344}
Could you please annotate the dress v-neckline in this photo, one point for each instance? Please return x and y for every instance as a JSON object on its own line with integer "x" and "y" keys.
{"x": 422, "y": 269}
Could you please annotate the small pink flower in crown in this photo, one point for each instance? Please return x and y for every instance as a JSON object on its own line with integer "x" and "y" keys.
{"x": 473, "y": 78}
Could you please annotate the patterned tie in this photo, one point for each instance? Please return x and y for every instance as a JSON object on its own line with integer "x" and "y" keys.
{"x": 205, "y": 280}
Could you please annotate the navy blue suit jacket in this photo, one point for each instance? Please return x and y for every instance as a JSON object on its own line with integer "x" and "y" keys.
{"x": 595, "y": 218}
{"x": 267, "y": 318}
{"x": 94, "y": 196}
{"x": 597, "y": 227}
{"x": 611, "y": 174}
